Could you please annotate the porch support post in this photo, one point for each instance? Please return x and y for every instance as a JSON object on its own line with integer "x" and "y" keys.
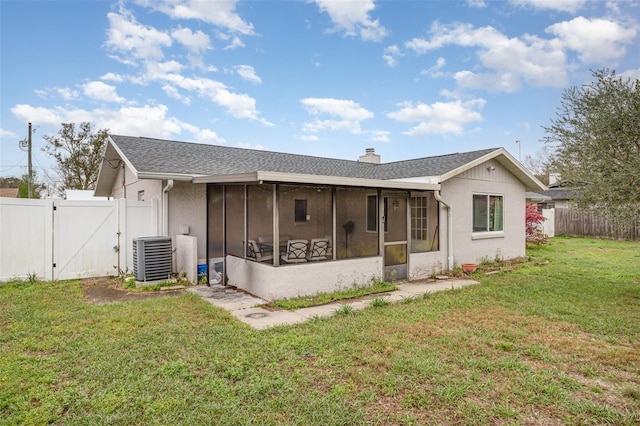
{"x": 245, "y": 234}
{"x": 334, "y": 214}
{"x": 381, "y": 221}
{"x": 276, "y": 224}
{"x": 224, "y": 234}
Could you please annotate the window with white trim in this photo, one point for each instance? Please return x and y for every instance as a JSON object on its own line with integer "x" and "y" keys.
{"x": 419, "y": 221}
{"x": 488, "y": 213}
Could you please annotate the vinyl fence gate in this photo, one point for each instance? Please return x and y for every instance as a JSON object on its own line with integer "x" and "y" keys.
{"x": 65, "y": 239}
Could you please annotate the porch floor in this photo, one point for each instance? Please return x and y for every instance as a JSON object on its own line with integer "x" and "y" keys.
{"x": 246, "y": 307}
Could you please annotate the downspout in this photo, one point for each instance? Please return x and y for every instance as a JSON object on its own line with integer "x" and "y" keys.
{"x": 165, "y": 207}
{"x": 437, "y": 196}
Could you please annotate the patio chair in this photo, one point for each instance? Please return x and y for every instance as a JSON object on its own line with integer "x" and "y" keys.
{"x": 318, "y": 249}
{"x": 254, "y": 253}
{"x": 266, "y": 245}
{"x": 296, "y": 251}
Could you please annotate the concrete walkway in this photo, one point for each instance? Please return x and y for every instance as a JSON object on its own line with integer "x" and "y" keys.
{"x": 247, "y": 308}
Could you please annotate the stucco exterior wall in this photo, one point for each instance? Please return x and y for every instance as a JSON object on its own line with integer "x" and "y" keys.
{"x": 487, "y": 178}
{"x": 269, "y": 282}
{"x": 427, "y": 264}
{"x": 188, "y": 208}
{"x": 129, "y": 187}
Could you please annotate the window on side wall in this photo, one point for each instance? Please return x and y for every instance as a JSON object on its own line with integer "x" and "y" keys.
{"x": 301, "y": 210}
{"x": 488, "y": 213}
{"x": 372, "y": 213}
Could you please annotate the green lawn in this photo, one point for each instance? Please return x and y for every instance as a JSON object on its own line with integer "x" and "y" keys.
{"x": 554, "y": 342}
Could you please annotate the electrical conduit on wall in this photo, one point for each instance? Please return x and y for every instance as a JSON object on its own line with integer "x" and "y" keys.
{"x": 437, "y": 196}
{"x": 165, "y": 207}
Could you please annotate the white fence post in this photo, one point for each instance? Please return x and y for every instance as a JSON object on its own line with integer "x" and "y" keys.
{"x": 549, "y": 225}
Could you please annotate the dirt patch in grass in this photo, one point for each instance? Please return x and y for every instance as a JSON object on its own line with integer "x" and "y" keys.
{"x": 99, "y": 291}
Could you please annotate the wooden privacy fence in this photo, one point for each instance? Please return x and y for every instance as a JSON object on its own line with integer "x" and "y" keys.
{"x": 65, "y": 239}
{"x": 569, "y": 221}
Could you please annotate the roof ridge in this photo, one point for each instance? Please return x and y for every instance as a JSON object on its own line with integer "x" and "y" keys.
{"x": 245, "y": 149}
{"x": 444, "y": 155}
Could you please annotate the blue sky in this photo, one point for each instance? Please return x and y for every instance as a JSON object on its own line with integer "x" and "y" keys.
{"x": 324, "y": 78}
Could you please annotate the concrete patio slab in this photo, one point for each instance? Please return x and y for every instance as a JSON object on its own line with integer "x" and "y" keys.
{"x": 248, "y": 308}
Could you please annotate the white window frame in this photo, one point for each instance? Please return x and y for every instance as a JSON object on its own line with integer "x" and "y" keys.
{"x": 487, "y": 233}
{"x": 415, "y": 218}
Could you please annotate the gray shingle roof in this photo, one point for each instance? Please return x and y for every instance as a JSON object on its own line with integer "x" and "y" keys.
{"x": 149, "y": 155}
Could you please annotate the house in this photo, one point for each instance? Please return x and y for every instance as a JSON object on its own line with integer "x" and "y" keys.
{"x": 9, "y": 192}
{"x": 285, "y": 225}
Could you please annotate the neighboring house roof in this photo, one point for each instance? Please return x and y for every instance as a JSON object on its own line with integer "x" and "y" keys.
{"x": 560, "y": 193}
{"x": 9, "y": 192}
{"x": 535, "y": 197}
{"x": 163, "y": 159}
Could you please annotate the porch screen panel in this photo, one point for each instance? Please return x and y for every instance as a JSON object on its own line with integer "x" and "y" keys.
{"x": 424, "y": 222}
{"x": 260, "y": 216}
{"x": 215, "y": 220}
{"x": 235, "y": 219}
{"x": 316, "y": 221}
{"x": 352, "y": 237}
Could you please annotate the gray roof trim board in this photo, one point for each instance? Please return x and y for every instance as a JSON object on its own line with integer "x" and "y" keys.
{"x": 150, "y": 158}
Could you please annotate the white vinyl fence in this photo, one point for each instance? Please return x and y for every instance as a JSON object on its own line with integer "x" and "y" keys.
{"x": 64, "y": 239}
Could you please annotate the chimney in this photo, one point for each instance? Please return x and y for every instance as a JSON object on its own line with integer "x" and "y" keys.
{"x": 370, "y": 156}
{"x": 554, "y": 178}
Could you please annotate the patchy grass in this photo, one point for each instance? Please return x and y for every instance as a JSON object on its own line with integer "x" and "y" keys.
{"x": 554, "y": 342}
{"x": 323, "y": 298}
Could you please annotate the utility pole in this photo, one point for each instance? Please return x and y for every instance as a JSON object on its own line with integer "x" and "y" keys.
{"x": 30, "y": 178}
{"x": 519, "y": 150}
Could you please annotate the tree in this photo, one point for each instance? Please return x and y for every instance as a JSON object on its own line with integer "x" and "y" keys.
{"x": 540, "y": 164}
{"x": 23, "y": 185}
{"x": 533, "y": 225}
{"x": 597, "y": 136}
{"x": 78, "y": 155}
{"x": 37, "y": 188}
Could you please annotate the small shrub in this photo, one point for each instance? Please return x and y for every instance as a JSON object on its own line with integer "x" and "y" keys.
{"x": 32, "y": 278}
{"x": 533, "y": 224}
{"x": 379, "y": 302}
{"x": 345, "y": 310}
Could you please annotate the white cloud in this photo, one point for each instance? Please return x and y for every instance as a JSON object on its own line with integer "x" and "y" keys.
{"x": 148, "y": 120}
{"x": 380, "y": 136}
{"x": 440, "y": 117}
{"x": 195, "y": 42}
{"x": 236, "y": 43}
{"x": 347, "y": 115}
{"x": 632, "y": 74}
{"x": 391, "y": 53}
{"x": 560, "y": 5}
{"x": 352, "y": 17}
{"x": 208, "y": 136}
{"x": 435, "y": 71}
{"x": 136, "y": 41}
{"x": 476, "y": 3}
{"x": 309, "y": 138}
{"x": 7, "y": 134}
{"x": 101, "y": 91}
{"x": 39, "y": 114}
{"x": 509, "y": 61}
{"x": 596, "y": 40}
{"x": 173, "y": 93}
{"x": 221, "y": 13}
{"x": 110, "y": 76}
{"x": 248, "y": 73}
{"x": 65, "y": 93}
